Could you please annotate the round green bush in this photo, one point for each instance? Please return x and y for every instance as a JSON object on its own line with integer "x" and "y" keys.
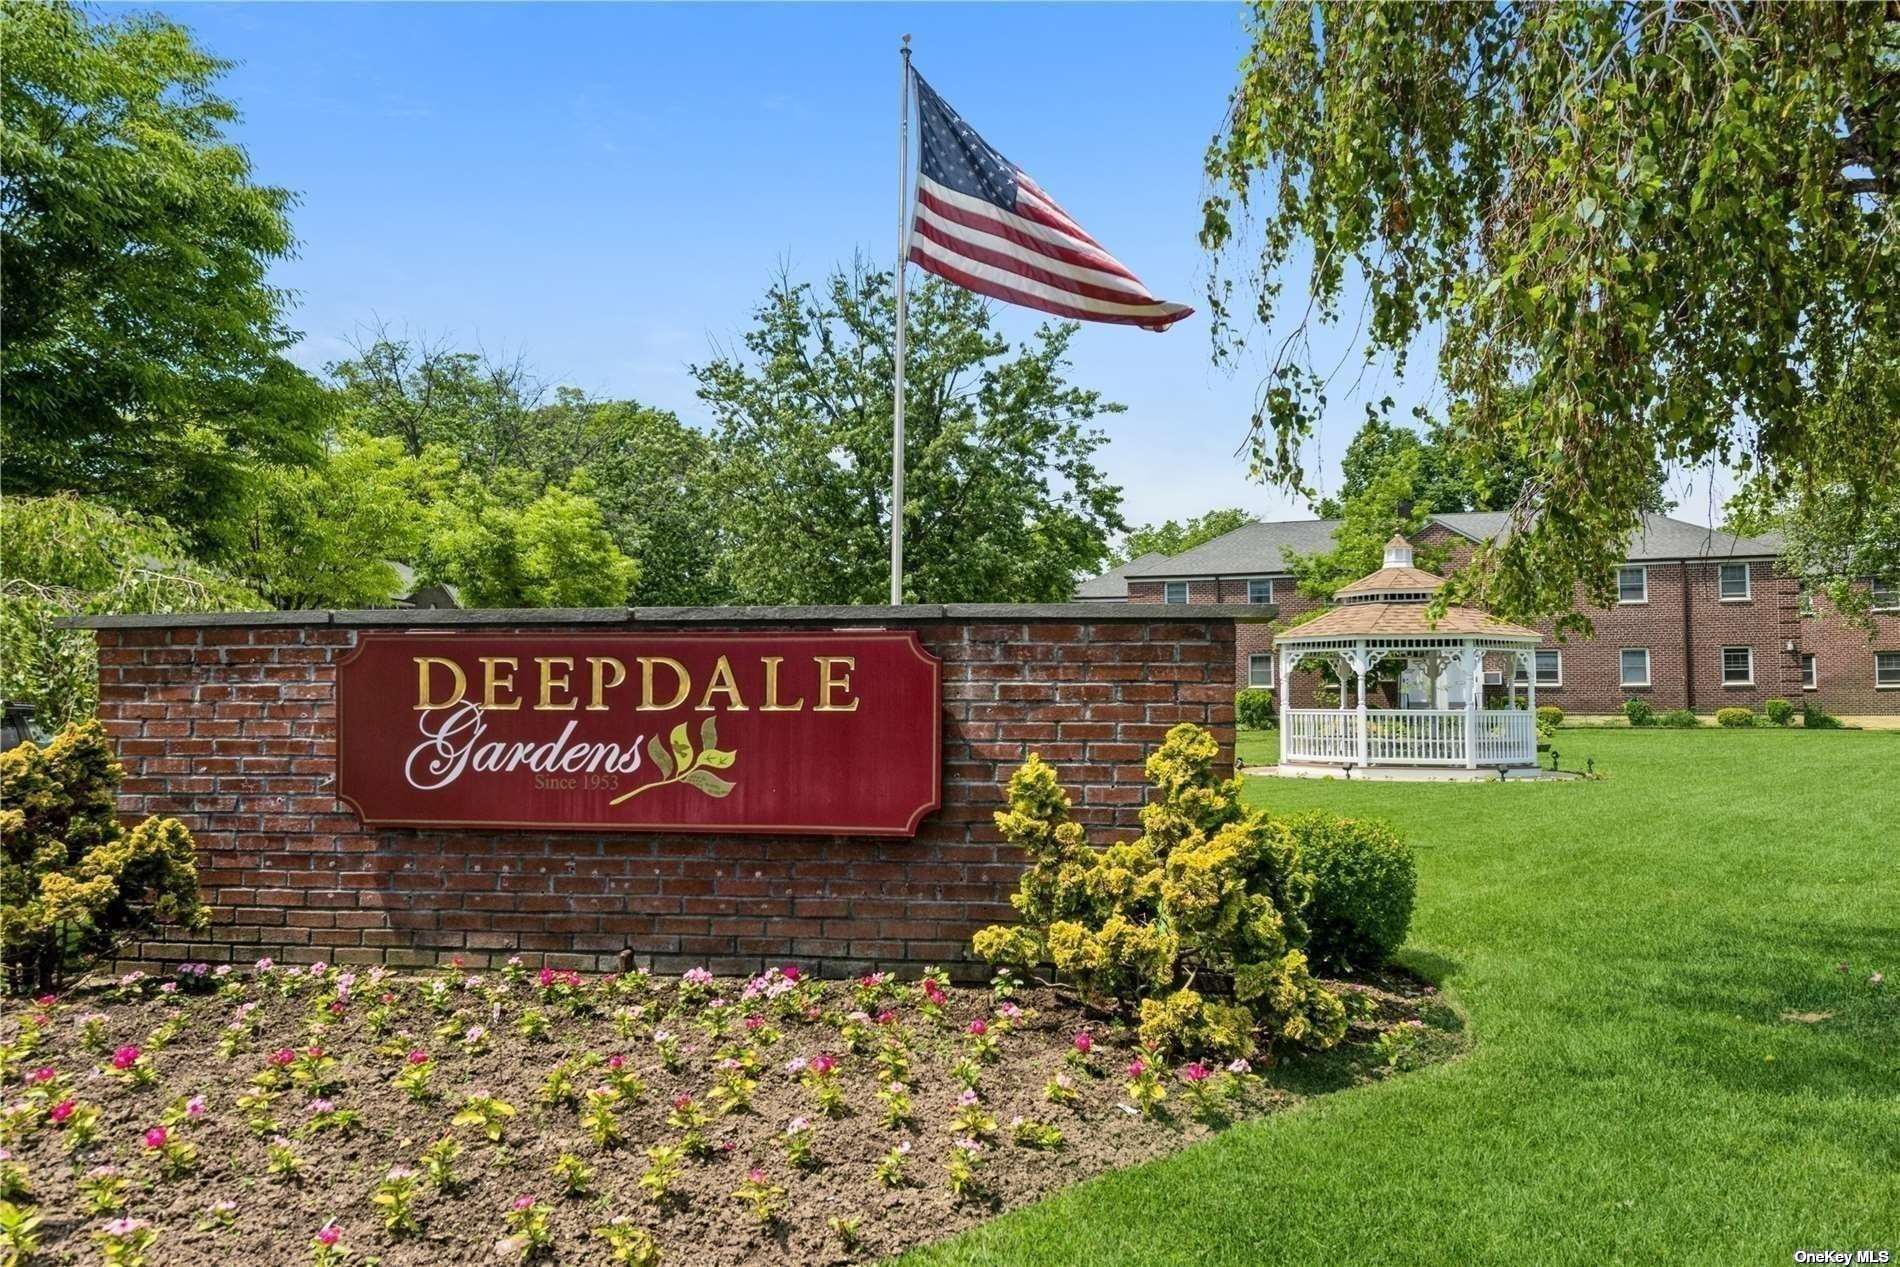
{"x": 1549, "y": 715}
{"x": 1735, "y": 718}
{"x": 1364, "y": 882}
{"x": 1678, "y": 719}
{"x": 1639, "y": 712}
{"x": 1254, "y": 707}
{"x": 1778, "y": 711}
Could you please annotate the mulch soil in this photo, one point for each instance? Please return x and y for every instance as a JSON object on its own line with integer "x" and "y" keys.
{"x": 275, "y": 1220}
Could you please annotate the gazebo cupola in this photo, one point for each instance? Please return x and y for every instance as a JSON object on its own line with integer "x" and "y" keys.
{"x": 1385, "y": 619}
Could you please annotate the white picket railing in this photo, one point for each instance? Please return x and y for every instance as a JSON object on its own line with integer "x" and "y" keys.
{"x": 1408, "y": 737}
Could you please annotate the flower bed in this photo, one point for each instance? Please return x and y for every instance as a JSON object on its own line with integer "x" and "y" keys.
{"x": 315, "y": 1115}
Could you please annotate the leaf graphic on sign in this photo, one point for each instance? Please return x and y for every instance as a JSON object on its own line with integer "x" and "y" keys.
{"x": 682, "y": 765}
{"x": 707, "y": 782}
{"x": 682, "y": 746}
{"x": 657, "y": 751}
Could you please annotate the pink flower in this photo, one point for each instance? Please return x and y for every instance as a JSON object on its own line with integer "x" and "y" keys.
{"x": 754, "y": 1024}
{"x": 46, "y": 1000}
{"x": 523, "y": 1202}
{"x": 329, "y": 1234}
{"x": 282, "y": 1056}
{"x": 682, "y": 1102}
{"x": 979, "y": 1027}
{"x": 1084, "y": 1041}
{"x": 616, "y": 1061}
{"x": 887, "y": 1017}
{"x": 1136, "y": 1069}
{"x": 43, "y": 1074}
{"x": 792, "y": 973}
{"x": 195, "y": 1107}
{"x": 1009, "y": 1012}
{"x": 966, "y": 1099}
{"x": 1195, "y": 1072}
{"x": 418, "y": 1057}
{"x": 933, "y": 991}
{"x": 1240, "y": 1067}
{"x": 125, "y": 1227}
{"x": 755, "y": 1175}
{"x": 61, "y": 1111}
{"x": 157, "y": 1137}
{"x": 125, "y": 1057}
{"x": 823, "y": 1063}
{"x": 545, "y": 977}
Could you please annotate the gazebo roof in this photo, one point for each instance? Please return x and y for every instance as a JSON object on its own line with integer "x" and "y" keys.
{"x": 1393, "y": 602}
{"x": 1362, "y": 620}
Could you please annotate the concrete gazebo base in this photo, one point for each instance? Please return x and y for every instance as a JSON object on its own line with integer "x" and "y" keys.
{"x": 1412, "y": 774}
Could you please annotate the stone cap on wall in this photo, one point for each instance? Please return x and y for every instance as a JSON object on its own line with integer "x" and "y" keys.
{"x": 907, "y": 614}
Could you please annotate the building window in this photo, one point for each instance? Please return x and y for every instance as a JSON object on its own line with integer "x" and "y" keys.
{"x": 1635, "y": 666}
{"x": 1174, "y": 591}
{"x": 1886, "y": 594}
{"x": 1738, "y": 666}
{"x": 1810, "y": 672}
{"x": 1733, "y": 586}
{"x": 1260, "y": 670}
{"x": 1550, "y": 669}
{"x": 1806, "y": 601}
{"x": 1632, "y": 585}
{"x": 1887, "y": 670}
{"x": 1260, "y": 591}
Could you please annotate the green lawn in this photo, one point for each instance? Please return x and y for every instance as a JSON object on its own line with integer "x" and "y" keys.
{"x": 1625, "y": 950}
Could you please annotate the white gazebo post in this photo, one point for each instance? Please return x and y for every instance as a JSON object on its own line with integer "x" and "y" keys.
{"x": 1474, "y": 661}
{"x": 1530, "y": 676}
{"x": 1359, "y": 667}
{"x": 1285, "y": 682}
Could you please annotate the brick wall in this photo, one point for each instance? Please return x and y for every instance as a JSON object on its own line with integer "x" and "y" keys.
{"x": 1844, "y": 661}
{"x": 232, "y": 728}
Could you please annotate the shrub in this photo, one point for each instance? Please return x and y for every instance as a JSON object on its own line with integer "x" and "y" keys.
{"x": 1549, "y": 716}
{"x": 1778, "y": 711}
{"x": 1210, "y": 892}
{"x": 1678, "y": 719}
{"x": 1735, "y": 718}
{"x": 1814, "y": 717}
{"x": 1254, "y": 707}
{"x": 1639, "y": 712}
{"x": 1364, "y": 881}
{"x": 72, "y": 879}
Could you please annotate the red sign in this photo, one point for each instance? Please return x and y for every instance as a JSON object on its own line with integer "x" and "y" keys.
{"x": 828, "y": 733}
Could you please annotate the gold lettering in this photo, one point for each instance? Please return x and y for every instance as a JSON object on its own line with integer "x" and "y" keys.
{"x": 550, "y": 683}
{"x": 423, "y": 664}
{"x": 723, "y": 683}
{"x": 771, "y": 704}
{"x": 828, "y": 682}
{"x": 493, "y": 683}
{"x": 646, "y": 683}
{"x": 597, "y": 667}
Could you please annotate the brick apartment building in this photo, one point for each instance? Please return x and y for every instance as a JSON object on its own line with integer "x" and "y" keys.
{"x": 1704, "y": 620}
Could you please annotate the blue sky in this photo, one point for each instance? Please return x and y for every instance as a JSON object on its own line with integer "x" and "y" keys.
{"x": 607, "y": 189}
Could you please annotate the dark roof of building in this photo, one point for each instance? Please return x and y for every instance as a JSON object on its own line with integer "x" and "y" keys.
{"x": 1260, "y": 549}
{"x": 1113, "y": 584}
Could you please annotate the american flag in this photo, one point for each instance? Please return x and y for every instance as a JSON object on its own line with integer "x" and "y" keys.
{"x": 982, "y": 223}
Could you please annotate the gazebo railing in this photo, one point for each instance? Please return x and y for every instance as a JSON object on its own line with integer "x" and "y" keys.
{"x": 1330, "y": 736}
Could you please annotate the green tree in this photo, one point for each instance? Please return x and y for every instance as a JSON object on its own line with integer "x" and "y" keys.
{"x": 554, "y": 551}
{"x": 326, "y": 535}
{"x": 1003, "y": 500}
{"x": 1647, "y": 233}
{"x": 143, "y": 361}
{"x": 1388, "y": 503}
{"x": 1171, "y": 538}
{"x": 63, "y": 556}
{"x": 646, "y": 470}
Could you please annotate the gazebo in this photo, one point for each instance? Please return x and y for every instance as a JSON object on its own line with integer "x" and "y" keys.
{"x": 1441, "y": 721}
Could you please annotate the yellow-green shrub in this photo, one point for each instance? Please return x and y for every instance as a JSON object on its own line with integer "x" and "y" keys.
{"x": 71, "y": 879}
{"x": 1193, "y": 928}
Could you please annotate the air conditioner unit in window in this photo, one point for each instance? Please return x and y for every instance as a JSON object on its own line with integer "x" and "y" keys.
{"x": 1494, "y": 677}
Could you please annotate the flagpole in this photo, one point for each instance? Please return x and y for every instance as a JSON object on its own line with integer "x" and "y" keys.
{"x": 897, "y": 392}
